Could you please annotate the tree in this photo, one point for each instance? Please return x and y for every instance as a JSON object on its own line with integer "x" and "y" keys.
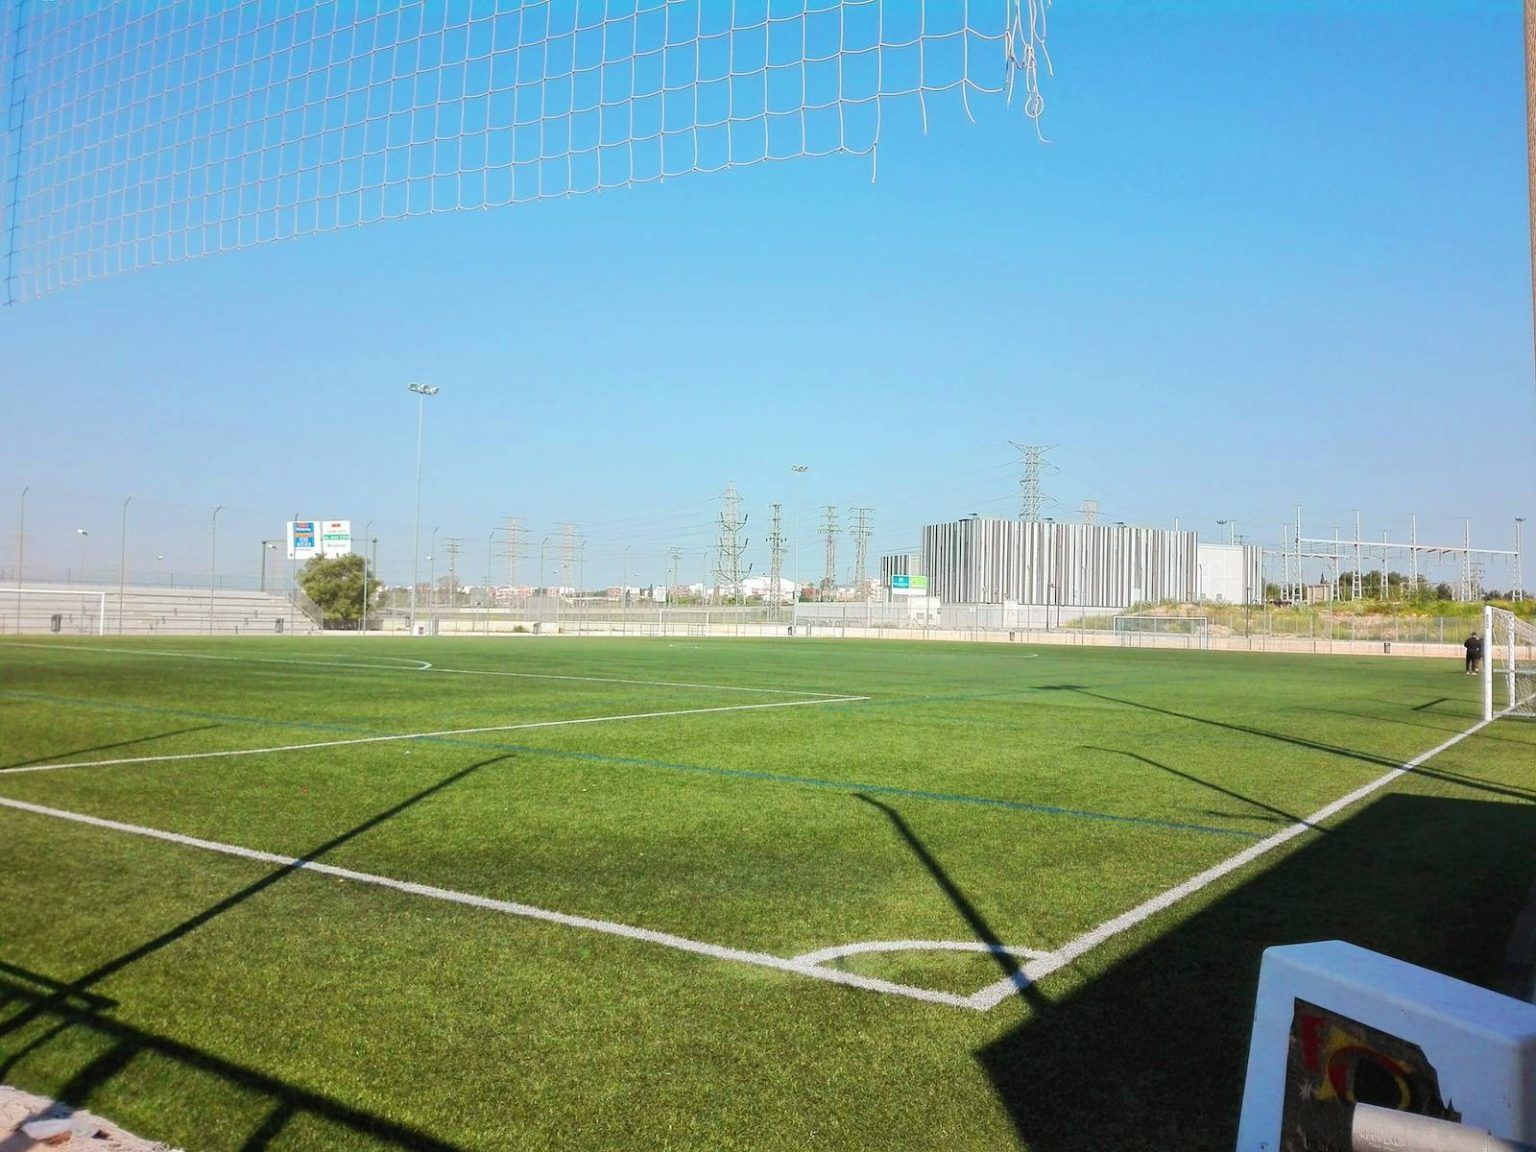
{"x": 335, "y": 584}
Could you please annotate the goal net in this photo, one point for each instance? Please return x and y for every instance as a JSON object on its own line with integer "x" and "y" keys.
{"x": 1509, "y": 664}
{"x": 138, "y": 132}
{"x": 81, "y": 612}
{"x": 1163, "y": 631}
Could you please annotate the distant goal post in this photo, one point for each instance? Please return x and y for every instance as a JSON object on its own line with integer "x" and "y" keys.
{"x": 1151, "y": 630}
{"x": 1509, "y": 664}
{"x": 80, "y": 612}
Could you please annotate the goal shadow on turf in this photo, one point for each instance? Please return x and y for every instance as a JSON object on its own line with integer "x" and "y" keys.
{"x": 1462, "y": 780}
{"x": 1005, "y": 957}
{"x": 71, "y": 1005}
{"x": 1149, "y": 1054}
{"x": 56, "y": 756}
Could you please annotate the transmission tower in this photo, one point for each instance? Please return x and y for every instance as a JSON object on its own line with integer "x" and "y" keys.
{"x": 1355, "y": 590}
{"x": 861, "y": 531}
{"x": 1031, "y": 498}
{"x": 452, "y": 546}
{"x": 776, "y": 557}
{"x": 829, "y": 530}
{"x": 514, "y": 548}
{"x": 674, "y": 569}
{"x": 732, "y": 545}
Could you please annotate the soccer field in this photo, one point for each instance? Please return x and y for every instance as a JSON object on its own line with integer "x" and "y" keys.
{"x": 546, "y": 893}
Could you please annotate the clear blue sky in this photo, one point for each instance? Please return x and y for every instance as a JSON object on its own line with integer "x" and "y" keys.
{"x": 1274, "y": 254}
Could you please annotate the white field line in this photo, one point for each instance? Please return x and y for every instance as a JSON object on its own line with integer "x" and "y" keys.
{"x": 836, "y": 951}
{"x": 510, "y": 908}
{"x": 422, "y": 666}
{"x": 421, "y": 735}
{"x": 1037, "y": 970}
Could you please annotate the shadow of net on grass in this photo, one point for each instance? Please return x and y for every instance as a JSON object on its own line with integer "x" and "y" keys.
{"x": 58, "y": 1007}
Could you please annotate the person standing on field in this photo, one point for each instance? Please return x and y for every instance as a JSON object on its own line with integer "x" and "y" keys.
{"x": 1474, "y": 648}
{"x": 1477, "y": 656}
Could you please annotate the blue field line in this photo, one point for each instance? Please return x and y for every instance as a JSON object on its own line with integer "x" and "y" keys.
{"x": 667, "y": 765}
{"x": 882, "y": 789}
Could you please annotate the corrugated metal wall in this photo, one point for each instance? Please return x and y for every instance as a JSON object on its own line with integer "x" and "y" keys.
{"x": 1035, "y": 562}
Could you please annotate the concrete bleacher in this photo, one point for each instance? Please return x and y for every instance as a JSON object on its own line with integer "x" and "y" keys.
{"x": 149, "y": 611}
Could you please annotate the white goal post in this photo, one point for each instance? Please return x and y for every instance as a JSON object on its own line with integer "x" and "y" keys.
{"x": 79, "y": 611}
{"x": 1509, "y": 664}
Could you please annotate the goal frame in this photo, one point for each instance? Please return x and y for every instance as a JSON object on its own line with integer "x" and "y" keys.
{"x": 1195, "y": 630}
{"x": 1513, "y": 649}
{"x": 18, "y": 591}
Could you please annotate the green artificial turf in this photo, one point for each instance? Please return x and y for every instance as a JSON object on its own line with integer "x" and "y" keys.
{"x": 970, "y": 793}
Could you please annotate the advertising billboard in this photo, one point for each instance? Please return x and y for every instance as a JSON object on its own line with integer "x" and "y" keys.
{"x": 303, "y": 540}
{"x": 336, "y": 537}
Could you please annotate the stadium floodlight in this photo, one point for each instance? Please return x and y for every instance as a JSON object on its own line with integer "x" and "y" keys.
{"x": 422, "y": 391}
{"x": 84, "y": 535}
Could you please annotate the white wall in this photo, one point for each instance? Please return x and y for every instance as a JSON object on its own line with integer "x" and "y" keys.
{"x": 1229, "y": 574}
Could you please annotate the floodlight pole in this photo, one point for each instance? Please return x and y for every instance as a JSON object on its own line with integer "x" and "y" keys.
{"x": 432, "y": 575}
{"x": 367, "y": 528}
{"x": 293, "y": 575}
{"x": 83, "y": 534}
{"x": 21, "y": 553}
{"x": 266, "y": 546}
{"x": 489, "y": 544}
{"x": 213, "y": 557}
{"x": 799, "y": 471}
{"x": 122, "y": 562}
{"x": 422, "y": 391}
{"x": 1518, "y": 593}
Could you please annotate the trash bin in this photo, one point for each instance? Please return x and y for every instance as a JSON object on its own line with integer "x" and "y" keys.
{"x": 277, "y": 625}
{"x": 56, "y": 622}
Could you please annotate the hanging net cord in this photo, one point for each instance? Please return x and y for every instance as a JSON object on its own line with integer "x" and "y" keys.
{"x": 139, "y": 132}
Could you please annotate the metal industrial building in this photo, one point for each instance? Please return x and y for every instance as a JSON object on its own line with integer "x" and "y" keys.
{"x": 1074, "y": 566}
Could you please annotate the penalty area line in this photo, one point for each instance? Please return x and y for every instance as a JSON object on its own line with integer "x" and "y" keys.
{"x": 796, "y": 967}
{"x": 1037, "y": 970}
{"x": 394, "y": 737}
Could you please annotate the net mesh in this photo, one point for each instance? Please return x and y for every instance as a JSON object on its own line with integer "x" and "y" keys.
{"x": 1509, "y": 650}
{"x": 140, "y": 132}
